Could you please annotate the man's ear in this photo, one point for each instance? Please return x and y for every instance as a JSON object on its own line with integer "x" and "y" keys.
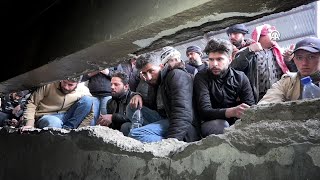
{"x": 161, "y": 66}
{"x": 126, "y": 87}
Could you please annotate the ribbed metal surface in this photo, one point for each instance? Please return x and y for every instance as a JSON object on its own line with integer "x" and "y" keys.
{"x": 293, "y": 25}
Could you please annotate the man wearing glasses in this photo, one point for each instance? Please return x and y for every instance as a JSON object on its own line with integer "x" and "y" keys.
{"x": 173, "y": 116}
{"x": 307, "y": 59}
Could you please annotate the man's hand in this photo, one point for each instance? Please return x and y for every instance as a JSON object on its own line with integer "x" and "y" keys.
{"x": 105, "y": 71}
{"x": 13, "y": 122}
{"x": 105, "y": 120}
{"x": 27, "y": 128}
{"x": 288, "y": 53}
{"x": 237, "y": 111}
{"x": 16, "y": 109}
{"x": 255, "y": 47}
{"x": 136, "y": 102}
{"x": 93, "y": 73}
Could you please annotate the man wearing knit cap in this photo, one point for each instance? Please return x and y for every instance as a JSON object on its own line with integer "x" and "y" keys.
{"x": 261, "y": 61}
{"x": 236, "y": 34}
{"x": 194, "y": 53}
{"x": 306, "y": 55}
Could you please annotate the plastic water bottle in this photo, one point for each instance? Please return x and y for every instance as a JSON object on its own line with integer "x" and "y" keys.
{"x": 137, "y": 119}
{"x": 310, "y": 90}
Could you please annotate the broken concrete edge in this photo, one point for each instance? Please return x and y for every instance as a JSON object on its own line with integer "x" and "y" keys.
{"x": 255, "y": 138}
{"x": 259, "y": 137}
{"x": 290, "y": 110}
{"x": 104, "y": 139}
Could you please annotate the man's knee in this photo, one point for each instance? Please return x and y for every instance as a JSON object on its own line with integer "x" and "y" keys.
{"x": 213, "y": 127}
{"x": 49, "y": 122}
{"x": 86, "y": 100}
{"x": 125, "y": 128}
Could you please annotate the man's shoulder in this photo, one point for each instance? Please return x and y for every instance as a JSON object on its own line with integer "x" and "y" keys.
{"x": 83, "y": 89}
{"x": 237, "y": 73}
{"x": 178, "y": 72}
{"x": 202, "y": 75}
{"x": 291, "y": 75}
{"x": 248, "y": 41}
{"x": 49, "y": 86}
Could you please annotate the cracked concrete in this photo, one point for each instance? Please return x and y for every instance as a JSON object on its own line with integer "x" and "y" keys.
{"x": 99, "y": 34}
{"x": 264, "y": 149}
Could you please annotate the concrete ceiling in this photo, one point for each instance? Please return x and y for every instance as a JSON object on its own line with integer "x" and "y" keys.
{"x": 49, "y": 40}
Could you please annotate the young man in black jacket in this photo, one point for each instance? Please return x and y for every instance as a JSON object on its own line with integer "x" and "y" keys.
{"x": 116, "y": 107}
{"x": 174, "y": 115}
{"x": 222, "y": 94}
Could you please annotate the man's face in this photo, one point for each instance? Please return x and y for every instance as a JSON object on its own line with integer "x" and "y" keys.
{"x": 117, "y": 87}
{"x": 307, "y": 62}
{"x": 68, "y": 86}
{"x": 151, "y": 73}
{"x": 172, "y": 62}
{"x": 133, "y": 62}
{"x": 194, "y": 58}
{"x": 218, "y": 62}
{"x": 236, "y": 38}
{"x": 266, "y": 41}
{"x": 15, "y": 96}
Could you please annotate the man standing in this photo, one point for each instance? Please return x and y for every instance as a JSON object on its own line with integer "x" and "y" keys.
{"x": 174, "y": 115}
{"x": 116, "y": 107}
{"x": 261, "y": 61}
{"x": 61, "y": 104}
{"x": 236, "y": 34}
{"x": 222, "y": 94}
{"x": 99, "y": 86}
{"x": 307, "y": 59}
{"x": 194, "y": 53}
{"x": 129, "y": 67}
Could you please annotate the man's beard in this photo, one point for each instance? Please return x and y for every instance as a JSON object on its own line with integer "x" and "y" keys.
{"x": 195, "y": 62}
{"x": 221, "y": 74}
{"x": 238, "y": 44}
{"x": 118, "y": 95}
{"x": 64, "y": 91}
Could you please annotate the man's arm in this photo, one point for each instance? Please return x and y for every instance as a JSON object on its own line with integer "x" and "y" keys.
{"x": 246, "y": 94}
{"x": 32, "y": 104}
{"x": 181, "y": 114}
{"x": 276, "y": 93}
{"x": 245, "y": 56}
{"x": 242, "y": 59}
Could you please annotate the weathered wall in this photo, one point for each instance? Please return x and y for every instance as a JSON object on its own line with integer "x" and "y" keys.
{"x": 280, "y": 141}
{"x": 69, "y": 38}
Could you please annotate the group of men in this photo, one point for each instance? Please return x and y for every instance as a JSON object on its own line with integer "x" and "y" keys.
{"x": 187, "y": 100}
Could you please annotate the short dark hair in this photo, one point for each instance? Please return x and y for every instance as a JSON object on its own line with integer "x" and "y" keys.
{"x": 123, "y": 76}
{"x": 144, "y": 59}
{"x": 219, "y": 45}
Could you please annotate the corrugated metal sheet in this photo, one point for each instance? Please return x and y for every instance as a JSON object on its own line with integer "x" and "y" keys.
{"x": 293, "y": 25}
